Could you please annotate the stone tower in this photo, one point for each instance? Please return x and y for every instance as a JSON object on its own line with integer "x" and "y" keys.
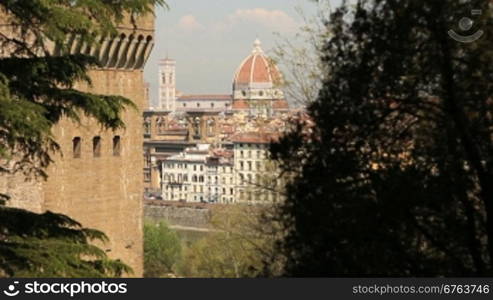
{"x": 98, "y": 180}
{"x": 167, "y": 85}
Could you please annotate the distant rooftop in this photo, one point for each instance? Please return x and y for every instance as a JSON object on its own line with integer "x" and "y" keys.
{"x": 205, "y": 97}
{"x": 254, "y": 138}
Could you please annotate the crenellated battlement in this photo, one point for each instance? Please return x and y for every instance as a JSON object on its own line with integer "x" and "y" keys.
{"x": 128, "y": 50}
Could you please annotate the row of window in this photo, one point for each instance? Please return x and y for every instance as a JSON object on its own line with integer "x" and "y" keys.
{"x": 196, "y": 167}
{"x": 171, "y": 196}
{"x": 184, "y": 178}
{"x": 259, "y": 196}
{"x": 96, "y": 146}
{"x": 167, "y": 80}
{"x": 198, "y": 104}
{"x": 249, "y": 166}
{"x": 182, "y": 166}
{"x": 249, "y": 154}
{"x": 244, "y": 179}
{"x": 253, "y": 146}
{"x": 260, "y": 93}
{"x": 200, "y": 189}
{"x": 249, "y": 179}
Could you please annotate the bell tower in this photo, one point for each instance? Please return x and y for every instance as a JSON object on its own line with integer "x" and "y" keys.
{"x": 167, "y": 86}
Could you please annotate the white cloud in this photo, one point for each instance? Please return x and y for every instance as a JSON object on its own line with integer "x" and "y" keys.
{"x": 274, "y": 20}
{"x": 189, "y": 23}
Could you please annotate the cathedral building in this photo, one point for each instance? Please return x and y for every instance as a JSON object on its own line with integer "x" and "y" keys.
{"x": 256, "y": 89}
{"x": 179, "y": 168}
{"x": 257, "y": 85}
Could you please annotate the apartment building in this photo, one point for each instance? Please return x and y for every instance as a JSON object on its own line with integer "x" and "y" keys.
{"x": 198, "y": 174}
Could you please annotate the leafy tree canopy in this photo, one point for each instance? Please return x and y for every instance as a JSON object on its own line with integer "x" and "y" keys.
{"x": 395, "y": 177}
{"x": 162, "y": 249}
{"x": 240, "y": 244}
{"x": 51, "y": 245}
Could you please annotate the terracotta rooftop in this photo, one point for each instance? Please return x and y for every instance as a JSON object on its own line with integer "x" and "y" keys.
{"x": 255, "y": 138}
{"x": 223, "y": 153}
{"x": 280, "y": 104}
{"x": 205, "y": 98}
{"x": 240, "y": 104}
{"x": 227, "y": 129}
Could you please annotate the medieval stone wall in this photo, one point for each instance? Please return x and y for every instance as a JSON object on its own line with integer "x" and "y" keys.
{"x": 23, "y": 193}
{"x": 103, "y": 191}
{"x": 194, "y": 216}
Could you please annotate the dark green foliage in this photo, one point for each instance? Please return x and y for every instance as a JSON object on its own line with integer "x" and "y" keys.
{"x": 162, "y": 250}
{"x": 396, "y": 178}
{"x": 37, "y": 80}
{"x": 51, "y": 245}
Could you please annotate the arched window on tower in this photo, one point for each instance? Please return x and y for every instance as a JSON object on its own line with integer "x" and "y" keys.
{"x": 96, "y": 146}
{"x": 117, "y": 145}
{"x": 77, "y": 147}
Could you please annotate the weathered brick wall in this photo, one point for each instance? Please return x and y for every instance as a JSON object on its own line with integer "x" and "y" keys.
{"x": 103, "y": 192}
{"x": 186, "y": 216}
{"x": 23, "y": 193}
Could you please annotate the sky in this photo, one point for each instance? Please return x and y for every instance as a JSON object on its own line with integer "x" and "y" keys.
{"x": 209, "y": 39}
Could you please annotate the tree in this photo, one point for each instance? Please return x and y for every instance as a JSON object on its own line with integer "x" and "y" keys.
{"x": 395, "y": 177}
{"x": 162, "y": 250}
{"x": 239, "y": 245}
{"x": 298, "y": 56}
{"x": 52, "y": 245}
{"x": 36, "y": 91}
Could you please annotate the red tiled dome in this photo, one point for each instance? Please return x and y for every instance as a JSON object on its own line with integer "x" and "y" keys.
{"x": 256, "y": 68}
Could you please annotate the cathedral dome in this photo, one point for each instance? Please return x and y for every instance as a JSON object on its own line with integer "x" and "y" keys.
{"x": 256, "y": 71}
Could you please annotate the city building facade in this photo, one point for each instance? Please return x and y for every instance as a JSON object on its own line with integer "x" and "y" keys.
{"x": 198, "y": 175}
{"x": 214, "y": 148}
{"x": 256, "y": 175}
